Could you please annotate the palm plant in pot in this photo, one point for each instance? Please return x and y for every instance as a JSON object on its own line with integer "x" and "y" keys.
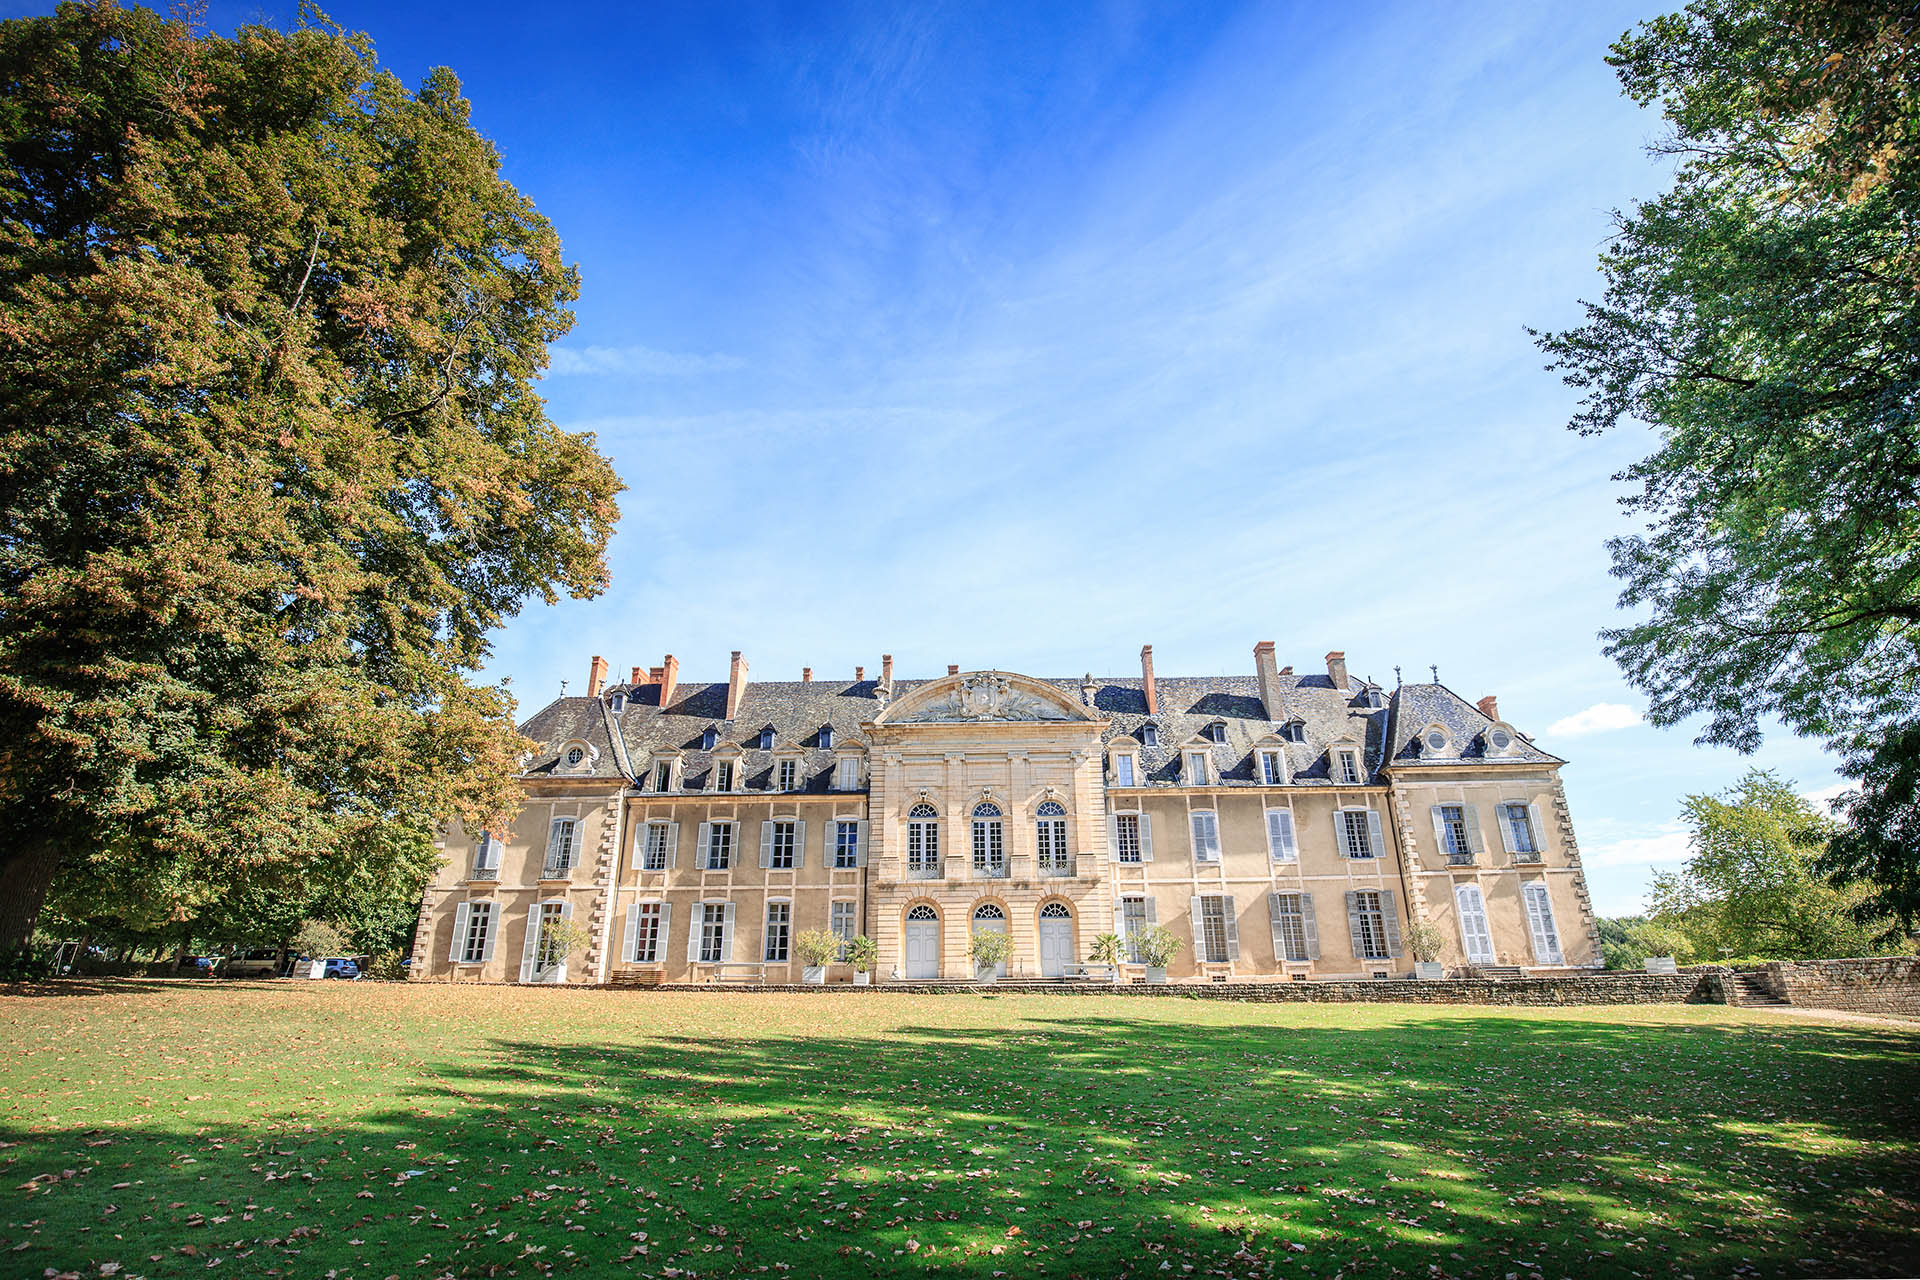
{"x": 1425, "y": 940}
{"x": 1156, "y": 947}
{"x": 816, "y": 949}
{"x": 989, "y": 950}
{"x": 1108, "y": 948}
{"x": 861, "y": 953}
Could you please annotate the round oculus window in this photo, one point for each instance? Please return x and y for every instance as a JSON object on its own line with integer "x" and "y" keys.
{"x": 1500, "y": 739}
{"x": 1437, "y": 741}
{"x": 575, "y": 756}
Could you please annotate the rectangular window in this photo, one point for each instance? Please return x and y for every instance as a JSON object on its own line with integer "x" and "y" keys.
{"x": 1210, "y": 930}
{"x": 923, "y": 849}
{"x": 1206, "y": 836}
{"x": 1272, "y": 772}
{"x": 849, "y": 774}
{"x": 1347, "y": 767}
{"x": 789, "y": 770}
{"x": 846, "y": 844}
{"x": 646, "y": 939}
{"x": 486, "y": 855}
{"x": 1133, "y": 922}
{"x": 779, "y": 926}
{"x": 1126, "y": 836}
{"x": 1289, "y": 927}
{"x": 1546, "y": 938}
{"x": 1453, "y": 827}
{"x": 780, "y": 854}
{"x": 713, "y": 932}
{"x": 663, "y": 777}
{"x": 653, "y": 854}
{"x": 1123, "y": 771}
{"x": 1370, "y": 925}
{"x": 719, "y": 846}
{"x": 546, "y": 954}
{"x": 1149, "y": 736}
{"x": 841, "y": 922}
{"x": 1198, "y": 774}
{"x": 723, "y": 776}
{"x": 989, "y": 851}
{"x": 559, "y": 849}
{"x": 473, "y": 949}
{"x": 1520, "y": 833}
{"x": 1354, "y": 839}
{"x": 1281, "y": 844}
{"x": 1050, "y": 846}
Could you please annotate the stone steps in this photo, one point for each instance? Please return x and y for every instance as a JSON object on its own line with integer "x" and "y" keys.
{"x": 1751, "y": 992}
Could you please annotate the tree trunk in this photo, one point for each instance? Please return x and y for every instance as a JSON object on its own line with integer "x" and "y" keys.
{"x": 25, "y": 876}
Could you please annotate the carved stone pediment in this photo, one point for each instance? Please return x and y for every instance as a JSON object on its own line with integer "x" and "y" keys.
{"x": 982, "y": 695}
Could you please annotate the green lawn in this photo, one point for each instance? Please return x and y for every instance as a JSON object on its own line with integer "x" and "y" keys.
{"x": 333, "y": 1129}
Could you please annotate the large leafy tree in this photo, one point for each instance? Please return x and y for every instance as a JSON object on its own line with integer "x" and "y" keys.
{"x": 1763, "y": 316}
{"x": 271, "y": 460}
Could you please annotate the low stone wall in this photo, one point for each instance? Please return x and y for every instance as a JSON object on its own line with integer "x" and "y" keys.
{"x": 1599, "y": 988}
{"x": 1886, "y": 985}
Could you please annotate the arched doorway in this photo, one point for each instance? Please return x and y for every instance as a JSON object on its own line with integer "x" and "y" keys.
{"x": 922, "y": 942}
{"x": 1056, "y": 939}
{"x": 989, "y": 918}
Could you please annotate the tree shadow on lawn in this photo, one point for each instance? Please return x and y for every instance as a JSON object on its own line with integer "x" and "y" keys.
{"x": 1086, "y": 1145}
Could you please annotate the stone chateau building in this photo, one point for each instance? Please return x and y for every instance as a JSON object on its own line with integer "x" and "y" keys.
{"x": 1284, "y": 826}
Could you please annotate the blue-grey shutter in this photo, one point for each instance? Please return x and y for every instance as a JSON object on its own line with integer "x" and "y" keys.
{"x": 493, "y": 931}
{"x": 726, "y": 933}
{"x": 766, "y": 844}
{"x": 1233, "y": 927}
{"x": 1340, "y": 833}
{"x": 1146, "y": 838}
{"x": 1500, "y": 826}
{"x": 1375, "y": 841}
{"x": 629, "y": 948}
{"x": 1113, "y": 837}
{"x": 1476, "y": 843}
{"x": 660, "y": 939}
{"x": 673, "y": 843}
{"x": 695, "y": 925}
{"x": 1353, "y": 925}
{"x": 1153, "y": 909}
{"x": 1312, "y": 926}
{"x": 1539, "y": 828}
{"x": 702, "y": 849}
{"x": 533, "y": 936}
{"x": 1195, "y": 908}
{"x": 1440, "y": 830}
{"x": 860, "y": 843}
{"x": 800, "y": 844}
{"x": 462, "y": 917}
{"x": 1273, "y": 923}
{"x": 1390, "y": 921}
{"x": 1281, "y": 846}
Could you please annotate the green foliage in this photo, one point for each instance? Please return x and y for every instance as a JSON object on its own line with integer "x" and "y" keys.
{"x": 276, "y": 467}
{"x": 559, "y": 939}
{"x": 1156, "y": 945}
{"x": 989, "y": 948}
{"x": 1874, "y": 853}
{"x": 1425, "y": 941}
{"x": 1108, "y": 948}
{"x": 319, "y": 940}
{"x": 1751, "y": 886}
{"x": 816, "y": 947}
{"x": 1627, "y": 942}
{"x": 862, "y": 951}
{"x": 387, "y": 966}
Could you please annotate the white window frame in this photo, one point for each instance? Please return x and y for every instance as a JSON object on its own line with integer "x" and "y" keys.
{"x": 767, "y": 925}
{"x": 786, "y": 773}
{"x": 1283, "y": 839}
{"x": 1510, "y": 833}
{"x": 1373, "y": 925}
{"x": 644, "y": 850}
{"x": 846, "y": 836}
{"x": 562, "y": 844}
{"x": 1291, "y": 911}
{"x": 843, "y": 924}
{"x": 1542, "y": 928}
{"x": 476, "y": 926}
{"x": 714, "y": 833}
{"x": 1126, "y": 769}
{"x": 989, "y": 847}
{"x": 1469, "y": 936}
{"x": 646, "y": 921}
{"x": 486, "y": 856}
{"x": 1198, "y": 769}
{"x": 1346, "y": 767}
{"x": 1209, "y": 909}
{"x": 1203, "y": 826}
{"x": 1127, "y": 831}
{"x": 1128, "y": 934}
{"x": 725, "y": 774}
{"x": 1369, "y": 836}
{"x": 923, "y": 843}
{"x": 1273, "y": 767}
{"x": 1149, "y": 735}
{"x": 846, "y": 774}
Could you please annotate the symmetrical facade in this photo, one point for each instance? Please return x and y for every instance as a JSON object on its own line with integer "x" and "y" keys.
{"x": 1284, "y": 827}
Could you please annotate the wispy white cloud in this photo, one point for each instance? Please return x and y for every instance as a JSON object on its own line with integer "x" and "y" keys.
{"x": 1669, "y": 845}
{"x": 645, "y": 362}
{"x": 1601, "y": 717}
{"x": 1824, "y": 797}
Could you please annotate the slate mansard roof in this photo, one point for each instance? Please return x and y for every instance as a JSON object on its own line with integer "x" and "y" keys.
{"x": 1312, "y": 718}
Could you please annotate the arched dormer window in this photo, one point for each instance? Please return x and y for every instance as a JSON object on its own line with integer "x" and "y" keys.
{"x": 709, "y": 738}
{"x": 989, "y": 841}
{"x": 1149, "y": 735}
{"x": 766, "y": 738}
{"x": 923, "y": 842}
{"x": 617, "y": 703}
{"x": 1050, "y": 839}
{"x": 1501, "y": 739}
{"x": 1294, "y": 731}
{"x": 826, "y": 737}
{"x": 1435, "y": 740}
{"x": 1217, "y": 731}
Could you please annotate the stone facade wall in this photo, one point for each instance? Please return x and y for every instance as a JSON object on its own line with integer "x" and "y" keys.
{"x": 1887, "y": 985}
{"x": 1606, "y": 988}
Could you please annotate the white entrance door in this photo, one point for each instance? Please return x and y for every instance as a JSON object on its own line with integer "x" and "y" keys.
{"x": 923, "y": 948}
{"x": 1473, "y": 924}
{"x": 1056, "y": 942}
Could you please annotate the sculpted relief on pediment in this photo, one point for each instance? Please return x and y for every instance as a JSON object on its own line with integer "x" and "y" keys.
{"x": 985, "y": 696}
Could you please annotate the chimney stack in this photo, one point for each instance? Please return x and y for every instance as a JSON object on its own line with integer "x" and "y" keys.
{"x": 1269, "y": 673}
{"x": 1489, "y": 707}
{"x": 859, "y": 674}
{"x": 669, "y": 678}
{"x": 598, "y": 679}
{"x": 636, "y": 681}
{"x": 1146, "y": 679}
{"x": 736, "y": 685}
{"x": 806, "y": 675}
{"x": 953, "y": 668}
{"x": 886, "y": 671}
{"x": 1337, "y": 669}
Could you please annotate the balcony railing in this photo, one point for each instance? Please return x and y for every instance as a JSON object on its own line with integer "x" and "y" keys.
{"x": 1060, "y": 866}
{"x": 929, "y": 871}
{"x": 990, "y": 871}
{"x": 1530, "y": 856}
{"x": 1459, "y": 859}
{"x": 484, "y": 873}
{"x": 557, "y": 871}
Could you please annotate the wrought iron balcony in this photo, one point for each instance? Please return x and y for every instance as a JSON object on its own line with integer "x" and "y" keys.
{"x": 929, "y": 871}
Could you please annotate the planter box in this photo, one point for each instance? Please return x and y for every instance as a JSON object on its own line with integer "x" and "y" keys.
{"x": 556, "y": 976}
{"x": 1156, "y": 975}
{"x": 987, "y": 973}
{"x": 862, "y": 978}
{"x": 1429, "y": 970}
{"x": 814, "y": 975}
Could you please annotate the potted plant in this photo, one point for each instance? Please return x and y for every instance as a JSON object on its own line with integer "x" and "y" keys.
{"x": 1425, "y": 940}
{"x": 560, "y": 939}
{"x": 1157, "y": 946}
{"x": 1108, "y": 948}
{"x": 816, "y": 949}
{"x": 989, "y": 948}
{"x": 861, "y": 953}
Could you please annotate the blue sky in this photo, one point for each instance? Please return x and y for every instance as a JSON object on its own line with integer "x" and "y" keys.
{"x": 1022, "y": 335}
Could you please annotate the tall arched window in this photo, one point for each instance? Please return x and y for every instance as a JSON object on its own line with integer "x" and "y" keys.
{"x": 923, "y": 843}
{"x": 989, "y": 842}
{"x": 1050, "y": 839}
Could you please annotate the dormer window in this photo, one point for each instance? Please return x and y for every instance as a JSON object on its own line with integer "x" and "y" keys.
{"x": 723, "y": 776}
{"x": 1217, "y": 731}
{"x": 1149, "y": 736}
{"x": 846, "y": 773}
{"x": 1294, "y": 731}
{"x": 1436, "y": 741}
{"x": 1199, "y": 770}
{"x": 709, "y": 738}
{"x": 618, "y": 703}
{"x": 766, "y": 738}
{"x": 1125, "y": 771}
{"x": 1372, "y": 697}
{"x": 1271, "y": 768}
{"x": 1346, "y": 766}
{"x": 787, "y": 775}
{"x": 575, "y": 755}
{"x": 663, "y": 776}
{"x": 826, "y": 737}
{"x": 1501, "y": 739}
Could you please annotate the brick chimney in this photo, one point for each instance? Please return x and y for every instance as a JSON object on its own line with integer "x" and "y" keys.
{"x": 859, "y": 674}
{"x": 1489, "y": 707}
{"x": 953, "y": 668}
{"x": 635, "y": 679}
{"x": 736, "y": 685}
{"x": 1337, "y": 669}
{"x": 1146, "y": 679}
{"x": 597, "y": 680}
{"x": 806, "y": 675}
{"x": 886, "y": 671}
{"x": 669, "y": 679}
{"x": 1269, "y": 673}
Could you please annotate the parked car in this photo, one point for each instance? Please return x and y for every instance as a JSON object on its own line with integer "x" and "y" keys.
{"x": 200, "y": 966}
{"x": 253, "y": 964}
{"x": 341, "y": 967}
